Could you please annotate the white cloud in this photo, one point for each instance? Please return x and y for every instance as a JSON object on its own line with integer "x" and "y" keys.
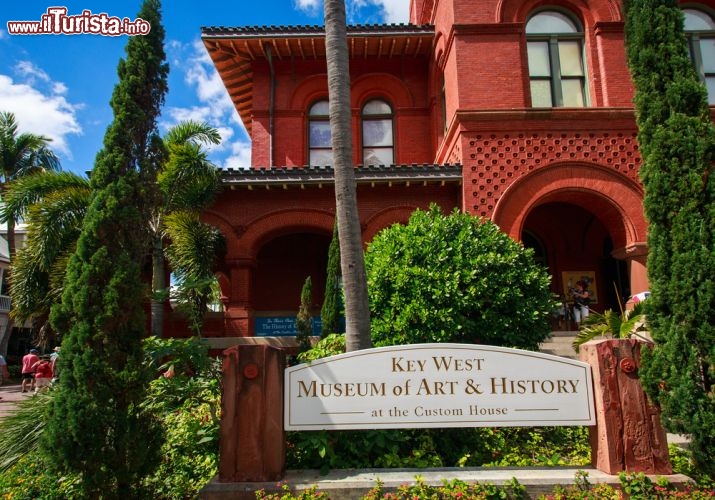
{"x": 240, "y": 156}
{"x": 3, "y": 34}
{"x": 395, "y": 11}
{"x": 40, "y": 106}
{"x": 30, "y": 72}
{"x": 195, "y": 113}
{"x": 215, "y": 106}
{"x": 309, "y": 6}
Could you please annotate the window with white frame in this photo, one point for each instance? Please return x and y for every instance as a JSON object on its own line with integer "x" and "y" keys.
{"x": 556, "y": 62}
{"x": 377, "y": 135}
{"x": 320, "y": 144}
{"x": 700, "y": 30}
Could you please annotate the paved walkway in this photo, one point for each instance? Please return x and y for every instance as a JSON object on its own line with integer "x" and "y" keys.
{"x": 10, "y": 393}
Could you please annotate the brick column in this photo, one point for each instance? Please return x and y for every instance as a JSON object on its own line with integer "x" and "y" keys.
{"x": 628, "y": 435}
{"x": 252, "y": 442}
{"x": 238, "y": 315}
{"x": 635, "y": 256}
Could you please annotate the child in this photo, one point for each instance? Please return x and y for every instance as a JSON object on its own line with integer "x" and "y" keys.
{"x": 43, "y": 375}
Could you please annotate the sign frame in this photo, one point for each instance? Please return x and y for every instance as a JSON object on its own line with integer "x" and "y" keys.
{"x": 438, "y": 385}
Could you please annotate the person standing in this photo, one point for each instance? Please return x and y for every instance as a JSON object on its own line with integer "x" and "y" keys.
{"x": 43, "y": 374}
{"x": 28, "y": 371}
{"x": 4, "y": 373}
{"x": 53, "y": 362}
{"x": 581, "y": 300}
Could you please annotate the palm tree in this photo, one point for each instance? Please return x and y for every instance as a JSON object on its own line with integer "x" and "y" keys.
{"x": 20, "y": 154}
{"x": 357, "y": 311}
{"x": 54, "y": 204}
{"x": 187, "y": 183}
{"x": 628, "y": 323}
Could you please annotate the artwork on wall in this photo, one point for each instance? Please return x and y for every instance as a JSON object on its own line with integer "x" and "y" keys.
{"x": 587, "y": 278}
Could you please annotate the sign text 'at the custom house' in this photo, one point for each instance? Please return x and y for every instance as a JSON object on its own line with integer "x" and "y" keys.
{"x": 438, "y": 385}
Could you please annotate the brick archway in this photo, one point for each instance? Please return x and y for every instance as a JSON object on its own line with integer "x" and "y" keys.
{"x": 616, "y": 200}
{"x": 282, "y": 222}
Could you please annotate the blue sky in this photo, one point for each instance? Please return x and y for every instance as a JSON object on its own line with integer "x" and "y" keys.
{"x": 60, "y": 85}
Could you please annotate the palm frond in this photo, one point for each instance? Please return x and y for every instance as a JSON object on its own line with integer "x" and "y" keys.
{"x": 192, "y": 131}
{"x": 21, "y": 429}
{"x": 26, "y": 191}
{"x": 188, "y": 180}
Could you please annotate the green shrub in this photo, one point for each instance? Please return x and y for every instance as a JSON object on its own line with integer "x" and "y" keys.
{"x": 449, "y": 489}
{"x": 455, "y": 278}
{"x": 30, "y": 478}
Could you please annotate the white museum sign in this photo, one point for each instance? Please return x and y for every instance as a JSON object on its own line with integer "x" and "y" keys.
{"x": 438, "y": 385}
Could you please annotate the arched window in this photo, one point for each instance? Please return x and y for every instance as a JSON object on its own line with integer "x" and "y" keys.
{"x": 377, "y": 138}
{"x": 700, "y": 30}
{"x": 556, "y": 66}
{"x": 320, "y": 144}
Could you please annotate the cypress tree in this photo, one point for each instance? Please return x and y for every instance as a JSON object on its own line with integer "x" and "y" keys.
{"x": 95, "y": 425}
{"x": 304, "y": 320}
{"x": 330, "y": 312}
{"x": 677, "y": 139}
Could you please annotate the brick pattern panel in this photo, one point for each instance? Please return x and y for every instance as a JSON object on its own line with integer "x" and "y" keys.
{"x": 494, "y": 162}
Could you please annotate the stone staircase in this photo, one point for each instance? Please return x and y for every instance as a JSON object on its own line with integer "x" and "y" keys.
{"x": 559, "y": 344}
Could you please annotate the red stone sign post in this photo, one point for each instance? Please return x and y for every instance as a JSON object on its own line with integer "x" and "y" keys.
{"x": 628, "y": 435}
{"x": 252, "y": 444}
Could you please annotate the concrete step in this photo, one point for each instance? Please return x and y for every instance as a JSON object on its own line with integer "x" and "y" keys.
{"x": 559, "y": 344}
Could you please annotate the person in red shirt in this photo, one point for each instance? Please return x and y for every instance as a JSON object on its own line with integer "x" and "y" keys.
{"x": 43, "y": 374}
{"x": 28, "y": 370}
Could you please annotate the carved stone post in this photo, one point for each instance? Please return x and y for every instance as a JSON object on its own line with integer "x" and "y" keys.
{"x": 252, "y": 445}
{"x": 628, "y": 435}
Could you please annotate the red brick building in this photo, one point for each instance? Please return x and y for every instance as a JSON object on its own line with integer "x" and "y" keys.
{"x": 515, "y": 110}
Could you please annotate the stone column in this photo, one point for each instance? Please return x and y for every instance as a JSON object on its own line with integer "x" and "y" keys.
{"x": 635, "y": 256}
{"x": 252, "y": 442}
{"x": 628, "y": 435}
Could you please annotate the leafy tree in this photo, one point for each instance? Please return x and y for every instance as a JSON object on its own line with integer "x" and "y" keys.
{"x": 94, "y": 421}
{"x": 304, "y": 320}
{"x": 332, "y": 303}
{"x": 357, "y": 309}
{"x": 677, "y": 142}
{"x": 455, "y": 278}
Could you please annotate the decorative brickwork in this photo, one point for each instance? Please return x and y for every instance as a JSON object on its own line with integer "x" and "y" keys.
{"x": 495, "y": 162}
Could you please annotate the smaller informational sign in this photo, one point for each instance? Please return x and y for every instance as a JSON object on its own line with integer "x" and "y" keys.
{"x": 438, "y": 385}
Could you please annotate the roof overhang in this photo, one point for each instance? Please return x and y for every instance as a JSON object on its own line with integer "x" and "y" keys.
{"x": 286, "y": 177}
{"x": 234, "y": 50}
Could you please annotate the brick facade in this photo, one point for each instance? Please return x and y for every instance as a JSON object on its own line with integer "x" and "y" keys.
{"x": 563, "y": 180}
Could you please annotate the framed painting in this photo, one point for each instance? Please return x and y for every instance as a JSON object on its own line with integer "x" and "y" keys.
{"x": 588, "y": 280}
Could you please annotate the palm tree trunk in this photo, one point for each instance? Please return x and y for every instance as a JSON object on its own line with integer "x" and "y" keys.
{"x": 11, "y": 246}
{"x": 357, "y": 311}
{"x": 158, "y": 286}
{"x": 6, "y": 332}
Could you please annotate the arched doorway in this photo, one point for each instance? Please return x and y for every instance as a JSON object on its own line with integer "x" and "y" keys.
{"x": 575, "y": 244}
{"x": 588, "y": 220}
{"x": 282, "y": 265}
